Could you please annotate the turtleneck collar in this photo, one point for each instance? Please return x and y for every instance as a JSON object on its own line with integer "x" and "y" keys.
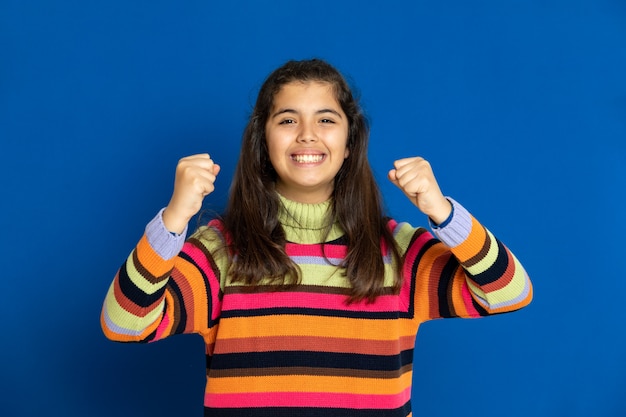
{"x": 305, "y": 223}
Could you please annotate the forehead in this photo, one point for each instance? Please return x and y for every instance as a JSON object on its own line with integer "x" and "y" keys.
{"x": 306, "y": 92}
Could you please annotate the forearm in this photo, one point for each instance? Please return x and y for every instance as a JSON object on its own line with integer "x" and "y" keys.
{"x": 494, "y": 277}
{"x": 134, "y": 304}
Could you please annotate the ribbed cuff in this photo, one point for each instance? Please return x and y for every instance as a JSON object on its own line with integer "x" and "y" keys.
{"x": 165, "y": 243}
{"x": 455, "y": 230}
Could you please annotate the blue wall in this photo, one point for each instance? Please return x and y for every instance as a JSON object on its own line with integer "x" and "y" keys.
{"x": 519, "y": 105}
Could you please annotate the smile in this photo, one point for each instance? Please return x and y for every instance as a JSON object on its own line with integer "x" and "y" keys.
{"x": 307, "y": 159}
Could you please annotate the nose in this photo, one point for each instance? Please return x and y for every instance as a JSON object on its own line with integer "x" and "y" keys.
{"x": 307, "y": 133}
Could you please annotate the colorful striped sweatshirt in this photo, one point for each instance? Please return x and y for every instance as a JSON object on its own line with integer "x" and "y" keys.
{"x": 304, "y": 351}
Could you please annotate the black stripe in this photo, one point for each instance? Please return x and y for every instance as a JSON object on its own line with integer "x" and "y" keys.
{"x": 178, "y": 299}
{"x": 481, "y": 311}
{"x": 446, "y": 309}
{"x": 282, "y": 359}
{"x": 207, "y": 285}
{"x": 495, "y": 271}
{"x": 429, "y": 244}
{"x": 134, "y": 293}
{"x": 403, "y": 411}
{"x": 340, "y": 241}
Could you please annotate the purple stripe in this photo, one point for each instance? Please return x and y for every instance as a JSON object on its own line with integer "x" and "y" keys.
{"x": 117, "y": 329}
{"x": 459, "y": 228}
{"x": 165, "y": 244}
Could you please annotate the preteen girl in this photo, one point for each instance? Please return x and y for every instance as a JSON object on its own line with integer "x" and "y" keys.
{"x": 308, "y": 298}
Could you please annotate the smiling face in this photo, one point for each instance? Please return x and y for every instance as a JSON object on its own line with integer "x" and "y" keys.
{"x": 307, "y": 135}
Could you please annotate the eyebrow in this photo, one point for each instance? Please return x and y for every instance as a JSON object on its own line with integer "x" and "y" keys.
{"x": 321, "y": 111}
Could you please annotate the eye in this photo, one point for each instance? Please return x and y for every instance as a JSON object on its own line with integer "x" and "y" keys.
{"x": 327, "y": 121}
{"x": 286, "y": 122}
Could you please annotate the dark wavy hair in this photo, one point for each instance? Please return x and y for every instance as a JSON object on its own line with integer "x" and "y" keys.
{"x": 251, "y": 217}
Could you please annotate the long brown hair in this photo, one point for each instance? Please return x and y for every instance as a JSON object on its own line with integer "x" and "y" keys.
{"x": 251, "y": 216}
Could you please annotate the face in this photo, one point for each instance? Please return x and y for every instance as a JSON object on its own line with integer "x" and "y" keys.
{"x": 307, "y": 135}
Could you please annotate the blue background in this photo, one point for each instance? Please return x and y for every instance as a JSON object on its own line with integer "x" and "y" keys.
{"x": 519, "y": 105}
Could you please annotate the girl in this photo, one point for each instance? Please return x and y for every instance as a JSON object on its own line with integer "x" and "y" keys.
{"x": 307, "y": 297}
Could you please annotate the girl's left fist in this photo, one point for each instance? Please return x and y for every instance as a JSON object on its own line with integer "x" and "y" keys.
{"x": 415, "y": 177}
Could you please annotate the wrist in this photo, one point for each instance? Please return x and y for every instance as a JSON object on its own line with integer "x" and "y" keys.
{"x": 174, "y": 223}
{"x": 442, "y": 213}
{"x": 442, "y": 224}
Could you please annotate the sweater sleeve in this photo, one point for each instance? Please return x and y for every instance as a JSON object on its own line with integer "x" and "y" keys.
{"x": 165, "y": 286}
{"x": 465, "y": 271}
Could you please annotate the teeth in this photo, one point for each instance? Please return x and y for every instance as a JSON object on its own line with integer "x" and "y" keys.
{"x": 307, "y": 159}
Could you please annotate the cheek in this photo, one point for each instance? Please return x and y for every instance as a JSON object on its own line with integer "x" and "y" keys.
{"x": 346, "y": 142}
{"x": 270, "y": 142}
{"x": 275, "y": 152}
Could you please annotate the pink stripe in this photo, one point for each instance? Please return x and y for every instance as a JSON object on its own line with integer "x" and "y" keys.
{"x": 409, "y": 262}
{"x": 219, "y": 227}
{"x": 405, "y": 292}
{"x": 162, "y": 327}
{"x": 308, "y": 300}
{"x": 200, "y": 259}
{"x": 414, "y": 250}
{"x": 331, "y": 251}
{"x": 328, "y": 301}
{"x": 307, "y": 399}
{"x": 468, "y": 301}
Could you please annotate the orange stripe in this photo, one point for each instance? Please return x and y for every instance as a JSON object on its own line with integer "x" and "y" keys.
{"x": 456, "y": 294}
{"x": 426, "y": 290}
{"x": 473, "y": 244}
{"x": 150, "y": 260}
{"x": 188, "y": 302}
{"x": 294, "y": 325}
{"x": 194, "y": 292}
{"x": 169, "y": 300}
{"x": 434, "y": 278}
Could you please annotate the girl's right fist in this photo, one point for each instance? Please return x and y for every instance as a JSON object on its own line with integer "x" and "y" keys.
{"x": 195, "y": 176}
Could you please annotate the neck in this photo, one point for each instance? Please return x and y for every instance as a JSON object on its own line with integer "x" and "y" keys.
{"x": 307, "y": 223}
{"x": 317, "y": 195}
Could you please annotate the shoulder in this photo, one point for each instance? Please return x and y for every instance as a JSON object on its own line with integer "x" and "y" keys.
{"x": 406, "y": 235}
{"x": 213, "y": 236}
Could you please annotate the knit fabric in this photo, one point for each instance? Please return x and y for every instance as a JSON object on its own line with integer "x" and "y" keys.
{"x": 304, "y": 351}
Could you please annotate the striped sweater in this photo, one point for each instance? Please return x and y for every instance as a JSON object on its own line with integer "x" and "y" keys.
{"x": 304, "y": 351}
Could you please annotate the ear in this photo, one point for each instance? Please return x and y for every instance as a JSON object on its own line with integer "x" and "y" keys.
{"x": 346, "y": 153}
